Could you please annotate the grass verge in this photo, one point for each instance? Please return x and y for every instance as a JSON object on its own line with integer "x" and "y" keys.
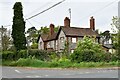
{"x": 57, "y": 64}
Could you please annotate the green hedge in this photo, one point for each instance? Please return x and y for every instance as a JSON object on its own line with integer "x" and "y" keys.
{"x": 8, "y": 55}
{"x": 38, "y": 54}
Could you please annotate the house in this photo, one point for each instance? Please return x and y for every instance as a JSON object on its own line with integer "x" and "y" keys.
{"x": 56, "y": 41}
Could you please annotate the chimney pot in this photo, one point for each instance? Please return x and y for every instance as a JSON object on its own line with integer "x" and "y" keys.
{"x": 51, "y": 29}
{"x": 67, "y": 22}
{"x": 92, "y": 23}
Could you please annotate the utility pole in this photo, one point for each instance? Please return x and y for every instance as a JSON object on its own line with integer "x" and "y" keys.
{"x": 69, "y": 13}
{"x": 1, "y": 47}
{"x": 119, "y": 9}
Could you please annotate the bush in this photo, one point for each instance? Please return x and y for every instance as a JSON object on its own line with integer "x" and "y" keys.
{"x": 115, "y": 57}
{"x": 21, "y": 54}
{"x": 8, "y": 55}
{"x": 34, "y": 46}
{"x": 88, "y": 51}
{"x": 39, "y": 54}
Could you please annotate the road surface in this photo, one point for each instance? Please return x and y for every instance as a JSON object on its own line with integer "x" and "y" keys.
{"x": 20, "y": 72}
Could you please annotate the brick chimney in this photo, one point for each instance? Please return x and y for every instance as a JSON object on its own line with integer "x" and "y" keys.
{"x": 67, "y": 22}
{"x": 92, "y": 23}
{"x": 51, "y": 29}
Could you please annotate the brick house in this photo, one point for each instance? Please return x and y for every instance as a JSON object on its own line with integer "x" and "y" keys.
{"x": 55, "y": 41}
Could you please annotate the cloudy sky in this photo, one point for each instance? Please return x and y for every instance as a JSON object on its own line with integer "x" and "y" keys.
{"x": 81, "y": 11}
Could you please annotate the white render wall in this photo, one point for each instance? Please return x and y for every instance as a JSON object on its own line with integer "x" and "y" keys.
{"x": 40, "y": 46}
{"x": 61, "y": 44}
{"x": 50, "y": 44}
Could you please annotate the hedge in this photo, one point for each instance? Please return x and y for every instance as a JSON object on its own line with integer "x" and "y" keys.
{"x": 38, "y": 54}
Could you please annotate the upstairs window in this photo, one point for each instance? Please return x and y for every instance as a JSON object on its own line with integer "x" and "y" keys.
{"x": 62, "y": 39}
{"x": 74, "y": 40}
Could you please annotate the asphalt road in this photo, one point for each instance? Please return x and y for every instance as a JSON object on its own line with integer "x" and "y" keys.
{"x": 20, "y": 72}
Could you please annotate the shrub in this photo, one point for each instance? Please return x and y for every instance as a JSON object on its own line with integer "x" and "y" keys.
{"x": 39, "y": 54}
{"x": 22, "y": 54}
{"x": 115, "y": 57}
{"x": 8, "y": 55}
{"x": 87, "y": 51}
{"x": 34, "y": 46}
{"x": 29, "y": 62}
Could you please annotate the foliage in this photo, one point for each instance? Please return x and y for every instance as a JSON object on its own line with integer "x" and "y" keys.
{"x": 105, "y": 36}
{"x": 45, "y": 30}
{"x": 32, "y": 35}
{"x": 34, "y": 46}
{"x": 54, "y": 56}
{"x": 5, "y": 38}
{"x": 8, "y": 55}
{"x": 115, "y": 57}
{"x": 18, "y": 27}
{"x": 39, "y": 54}
{"x": 116, "y": 29}
{"x": 87, "y": 50}
{"x": 59, "y": 64}
{"x": 65, "y": 52}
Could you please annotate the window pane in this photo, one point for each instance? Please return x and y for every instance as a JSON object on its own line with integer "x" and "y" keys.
{"x": 73, "y": 40}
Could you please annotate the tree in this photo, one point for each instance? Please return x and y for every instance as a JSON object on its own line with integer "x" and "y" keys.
{"x": 32, "y": 35}
{"x": 18, "y": 27}
{"x": 88, "y": 50}
{"x": 105, "y": 37}
{"x": 116, "y": 29}
{"x": 45, "y": 30}
{"x": 6, "y": 41}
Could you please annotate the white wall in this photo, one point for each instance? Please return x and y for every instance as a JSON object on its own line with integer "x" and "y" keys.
{"x": 61, "y": 44}
{"x": 50, "y": 44}
{"x": 41, "y": 46}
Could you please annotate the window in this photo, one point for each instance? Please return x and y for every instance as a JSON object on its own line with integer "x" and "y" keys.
{"x": 48, "y": 45}
{"x": 72, "y": 51}
{"x": 74, "y": 40}
{"x": 62, "y": 39}
{"x": 56, "y": 42}
{"x": 40, "y": 43}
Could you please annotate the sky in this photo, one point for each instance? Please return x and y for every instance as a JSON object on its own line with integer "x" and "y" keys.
{"x": 81, "y": 11}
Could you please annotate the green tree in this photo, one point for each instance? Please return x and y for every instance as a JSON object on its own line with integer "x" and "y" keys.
{"x": 32, "y": 34}
{"x": 105, "y": 37}
{"x": 18, "y": 27}
{"x": 116, "y": 29}
{"x": 5, "y": 38}
{"x": 45, "y": 30}
{"x": 88, "y": 50}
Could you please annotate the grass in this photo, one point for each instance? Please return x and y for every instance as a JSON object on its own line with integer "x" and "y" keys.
{"x": 57, "y": 64}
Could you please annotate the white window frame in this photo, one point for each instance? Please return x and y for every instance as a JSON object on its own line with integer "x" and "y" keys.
{"x": 62, "y": 39}
{"x": 72, "y": 51}
{"x": 74, "y": 40}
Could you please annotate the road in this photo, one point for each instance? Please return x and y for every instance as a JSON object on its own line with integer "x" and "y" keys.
{"x": 20, "y": 72}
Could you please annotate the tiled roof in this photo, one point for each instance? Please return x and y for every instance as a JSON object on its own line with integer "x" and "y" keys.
{"x": 47, "y": 37}
{"x": 75, "y": 31}
{"x": 70, "y": 31}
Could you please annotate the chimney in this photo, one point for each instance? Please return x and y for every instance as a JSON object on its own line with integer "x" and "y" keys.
{"x": 92, "y": 23}
{"x": 67, "y": 22}
{"x": 51, "y": 29}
